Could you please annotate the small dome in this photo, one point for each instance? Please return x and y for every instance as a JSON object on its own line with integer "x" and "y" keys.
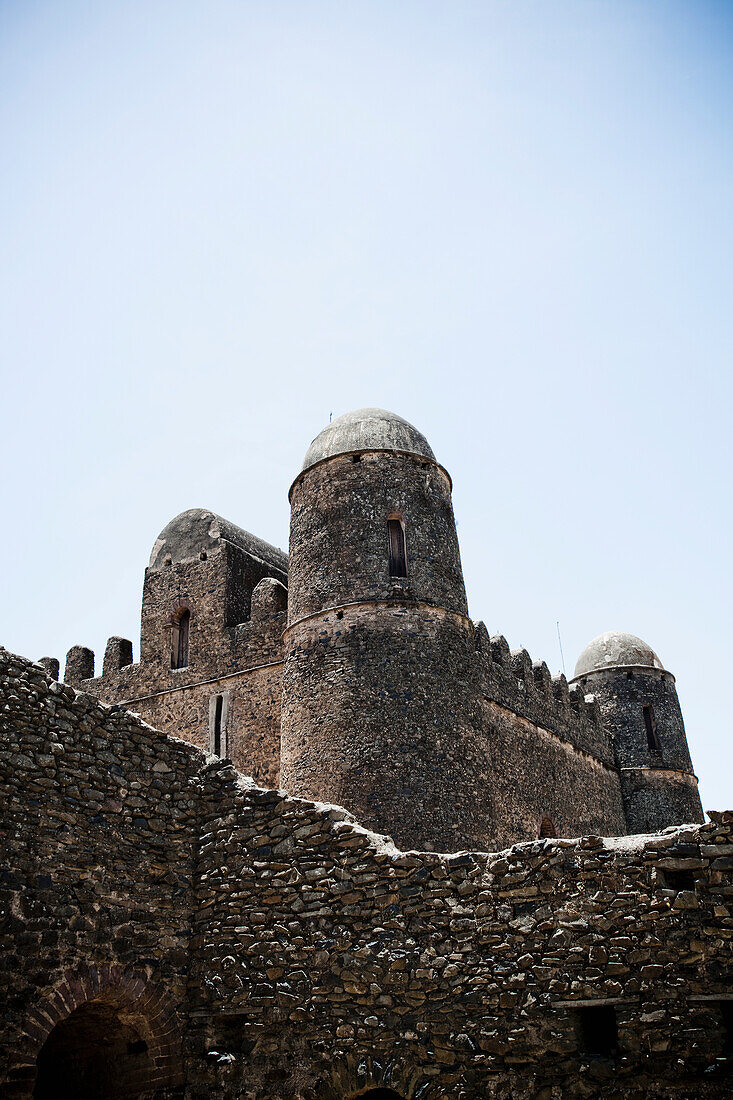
{"x": 198, "y": 529}
{"x": 367, "y": 430}
{"x": 615, "y": 649}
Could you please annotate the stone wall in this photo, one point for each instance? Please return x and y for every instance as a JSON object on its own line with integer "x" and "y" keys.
{"x": 99, "y": 820}
{"x": 552, "y": 760}
{"x": 380, "y": 715}
{"x": 242, "y": 661}
{"x": 540, "y": 779}
{"x": 525, "y": 687}
{"x": 266, "y": 947}
{"x": 464, "y": 976}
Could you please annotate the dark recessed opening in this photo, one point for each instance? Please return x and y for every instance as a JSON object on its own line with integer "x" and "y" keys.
{"x": 650, "y": 725}
{"x": 232, "y": 1036}
{"x": 94, "y": 1054}
{"x": 596, "y": 1030}
{"x": 339, "y": 614}
{"x": 679, "y": 880}
{"x": 379, "y": 1094}
{"x": 629, "y": 676}
{"x": 726, "y": 1017}
{"x": 397, "y": 549}
{"x": 356, "y": 458}
{"x": 218, "y": 709}
{"x": 179, "y": 639}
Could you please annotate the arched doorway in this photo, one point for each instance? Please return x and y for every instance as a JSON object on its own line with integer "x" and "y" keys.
{"x": 99, "y": 1052}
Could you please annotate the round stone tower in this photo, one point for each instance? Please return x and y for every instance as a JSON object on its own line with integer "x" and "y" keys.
{"x": 639, "y": 706}
{"x": 379, "y": 709}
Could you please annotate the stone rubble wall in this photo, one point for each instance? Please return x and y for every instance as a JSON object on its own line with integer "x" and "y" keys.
{"x": 295, "y": 954}
{"x": 97, "y": 830}
{"x": 451, "y": 975}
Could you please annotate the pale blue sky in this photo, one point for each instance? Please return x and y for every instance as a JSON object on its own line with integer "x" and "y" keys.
{"x": 510, "y": 222}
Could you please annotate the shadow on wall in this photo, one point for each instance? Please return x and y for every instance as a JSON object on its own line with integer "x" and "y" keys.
{"x": 97, "y": 1052}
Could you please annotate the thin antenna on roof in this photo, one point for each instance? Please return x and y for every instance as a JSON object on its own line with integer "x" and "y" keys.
{"x": 559, "y": 639}
{"x": 330, "y": 417}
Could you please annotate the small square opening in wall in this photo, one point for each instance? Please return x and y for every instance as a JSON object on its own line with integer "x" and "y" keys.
{"x": 679, "y": 880}
{"x": 230, "y": 1035}
{"x": 596, "y": 1030}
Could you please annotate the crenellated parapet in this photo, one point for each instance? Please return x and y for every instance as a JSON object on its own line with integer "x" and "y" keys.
{"x": 513, "y": 680}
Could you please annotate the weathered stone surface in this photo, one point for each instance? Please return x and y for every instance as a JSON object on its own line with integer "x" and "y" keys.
{"x": 343, "y": 963}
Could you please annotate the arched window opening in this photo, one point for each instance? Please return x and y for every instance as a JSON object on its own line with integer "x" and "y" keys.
{"x": 650, "y": 725}
{"x": 397, "y": 548}
{"x": 547, "y": 829}
{"x": 96, "y": 1053}
{"x": 179, "y": 638}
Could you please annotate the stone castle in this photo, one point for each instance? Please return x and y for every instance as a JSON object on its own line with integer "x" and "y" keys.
{"x": 351, "y": 673}
{"x": 336, "y": 926}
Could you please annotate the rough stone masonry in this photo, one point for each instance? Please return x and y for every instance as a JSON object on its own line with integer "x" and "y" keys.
{"x": 552, "y": 918}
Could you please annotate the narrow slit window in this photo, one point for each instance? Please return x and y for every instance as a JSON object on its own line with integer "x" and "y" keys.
{"x": 216, "y": 732}
{"x": 650, "y": 725}
{"x": 397, "y": 552}
{"x": 219, "y": 724}
{"x": 179, "y": 639}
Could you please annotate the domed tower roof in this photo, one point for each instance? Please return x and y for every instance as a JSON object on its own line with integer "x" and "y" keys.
{"x": 198, "y": 529}
{"x": 614, "y": 649}
{"x": 367, "y": 430}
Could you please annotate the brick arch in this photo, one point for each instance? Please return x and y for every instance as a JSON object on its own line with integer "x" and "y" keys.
{"x": 131, "y": 990}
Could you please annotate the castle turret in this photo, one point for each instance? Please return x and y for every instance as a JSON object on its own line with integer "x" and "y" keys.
{"x": 379, "y": 711}
{"x": 639, "y": 706}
